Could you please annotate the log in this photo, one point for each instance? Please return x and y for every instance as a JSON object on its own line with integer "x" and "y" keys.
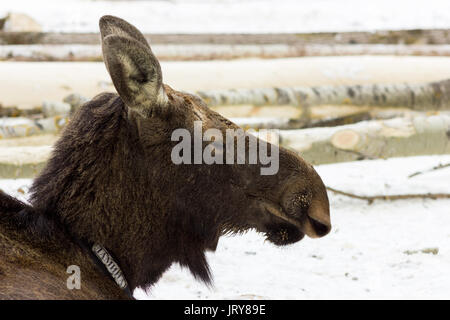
{"x": 19, "y": 22}
{"x": 425, "y": 96}
{"x": 23, "y": 161}
{"x": 24, "y": 127}
{"x": 16, "y": 112}
{"x": 399, "y": 137}
{"x": 186, "y": 52}
{"x": 416, "y": 36}
{"x": 57, "y": 79}
{"x": 339, "y": 120}
{"x": 328, "y": 121}
{"x": 286, "y": 124}
{"x": 317, "y": 50}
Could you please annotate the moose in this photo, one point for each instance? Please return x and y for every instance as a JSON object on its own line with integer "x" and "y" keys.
{"x": 111, "y": 202}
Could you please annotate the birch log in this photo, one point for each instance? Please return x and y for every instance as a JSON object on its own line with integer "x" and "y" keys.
{"x": 186, "y": 52}
{"x": 328, "y": 121}
{"x": 408, "y": 37}
{"x": 285, "y": 124}
{"x": 426, "y": 96}
{"x": 23, "y": 161}
{"x": 24, "y": 127}
{"x": 376, "y": 139}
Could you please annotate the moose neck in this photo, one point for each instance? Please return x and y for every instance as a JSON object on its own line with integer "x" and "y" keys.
{"x": 101, "y": 185}
{"x": 92, "y": 185}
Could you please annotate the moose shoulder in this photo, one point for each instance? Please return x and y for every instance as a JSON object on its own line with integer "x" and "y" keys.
{"x": 111, "y": 184}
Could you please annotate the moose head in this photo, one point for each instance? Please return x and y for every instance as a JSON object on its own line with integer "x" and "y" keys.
{"x": 112, "y": 179}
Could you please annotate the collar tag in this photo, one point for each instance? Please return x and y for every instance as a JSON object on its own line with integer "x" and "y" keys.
{"x": 112, "y": 267}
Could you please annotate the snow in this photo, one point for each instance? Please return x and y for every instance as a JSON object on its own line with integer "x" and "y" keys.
{"x": 237, "y": 16}
{"x": 373, "y": 251}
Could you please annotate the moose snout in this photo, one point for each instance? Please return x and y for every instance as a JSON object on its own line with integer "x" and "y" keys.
{"x": 308, "y": 206}
{"x": 317, "y": 223}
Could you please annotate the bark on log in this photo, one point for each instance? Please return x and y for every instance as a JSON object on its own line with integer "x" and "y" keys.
{"x": 398, "y": 137}
{"x": 426, "y": 96}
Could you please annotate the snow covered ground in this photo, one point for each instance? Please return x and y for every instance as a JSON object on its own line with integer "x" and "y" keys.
{"x": 373, "y": 252}
{"x": 237, "y": 16}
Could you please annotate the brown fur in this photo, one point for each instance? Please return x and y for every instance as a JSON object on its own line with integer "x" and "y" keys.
{"x": 111, "y": 180}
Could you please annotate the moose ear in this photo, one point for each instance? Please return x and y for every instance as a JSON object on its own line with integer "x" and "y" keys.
{"x": 135, "y": 72}
{"x": 114, "y": 25}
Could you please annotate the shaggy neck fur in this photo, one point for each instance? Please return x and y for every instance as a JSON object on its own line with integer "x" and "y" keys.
{"x": 94, "y": 185}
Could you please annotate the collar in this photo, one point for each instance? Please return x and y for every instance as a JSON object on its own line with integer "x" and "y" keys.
{"x": 113, "y": 268}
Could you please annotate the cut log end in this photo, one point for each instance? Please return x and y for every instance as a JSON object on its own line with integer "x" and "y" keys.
{"x": 345, "y": 139}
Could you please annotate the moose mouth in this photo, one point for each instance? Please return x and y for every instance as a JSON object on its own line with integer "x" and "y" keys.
{"x": 287, "y": 229}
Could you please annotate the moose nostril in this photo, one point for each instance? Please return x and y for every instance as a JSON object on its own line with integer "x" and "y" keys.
{"x": 320, "y": 228}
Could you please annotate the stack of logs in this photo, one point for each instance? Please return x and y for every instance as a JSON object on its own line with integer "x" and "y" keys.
{"x": 379, "y": 121}
{"x": 383, "y": 120}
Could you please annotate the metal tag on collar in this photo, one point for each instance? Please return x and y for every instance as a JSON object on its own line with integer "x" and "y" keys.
{"x": 112, "y": 267}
